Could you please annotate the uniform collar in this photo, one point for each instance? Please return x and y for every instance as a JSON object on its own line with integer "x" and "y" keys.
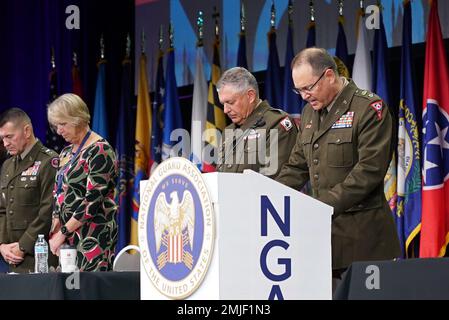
{"x": 345, "y": 83}
{"x": 257, "y": 113}
{"x": 27, "y": 150}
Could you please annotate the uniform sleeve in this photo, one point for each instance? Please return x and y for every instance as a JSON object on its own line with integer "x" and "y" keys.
{"x": 286, "y": 138}
{"x": 294, "y": 173}
{"x": 102, "y": 172}
{"x": 374, "y": 155}
{"x": 42, "y": 222}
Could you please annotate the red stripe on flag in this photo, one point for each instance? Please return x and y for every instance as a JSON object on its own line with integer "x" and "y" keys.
{"x": 435, "y": 211}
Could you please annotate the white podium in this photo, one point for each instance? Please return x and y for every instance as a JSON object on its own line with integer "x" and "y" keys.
{"x": 252, "y": 261}
{"x": 271, "y": 242}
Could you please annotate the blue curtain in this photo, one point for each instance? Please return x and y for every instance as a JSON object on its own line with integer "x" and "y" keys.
{"x": 28, "y": 31}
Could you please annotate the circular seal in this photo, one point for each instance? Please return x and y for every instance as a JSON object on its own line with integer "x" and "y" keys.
{"x": 176, "y": 228}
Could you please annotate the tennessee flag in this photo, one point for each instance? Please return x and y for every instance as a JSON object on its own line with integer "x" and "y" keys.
{"x": 435, "y": 194}
{"x": 142, "y": 143}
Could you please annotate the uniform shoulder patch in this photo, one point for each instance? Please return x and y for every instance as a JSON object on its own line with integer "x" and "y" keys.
{"x": 55, "y": 162}
{"x": 286, "y": 123}
{"x": 377, "y": 106}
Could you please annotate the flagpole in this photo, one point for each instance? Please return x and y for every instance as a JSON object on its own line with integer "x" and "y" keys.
{"x": 102, "y": 50}
{"x": 242, "y": 18}
{"x": 312, "y": 11}
{"x": 200, "y": 29}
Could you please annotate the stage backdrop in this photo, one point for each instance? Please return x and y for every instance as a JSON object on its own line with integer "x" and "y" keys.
{"x": 150, "y": 14}
{"x": 28, "y": 30}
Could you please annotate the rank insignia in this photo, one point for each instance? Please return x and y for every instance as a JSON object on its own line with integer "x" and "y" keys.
{"x": 345, "y": 121}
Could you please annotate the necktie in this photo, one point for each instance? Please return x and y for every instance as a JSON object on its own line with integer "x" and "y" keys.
{"x": 16, "y": 167}
{"x": 323, "y": 114}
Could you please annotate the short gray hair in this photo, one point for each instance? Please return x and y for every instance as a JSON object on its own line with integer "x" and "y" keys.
{"x": 318, "y": 58}
{"x": 16, "y": 116}
{"x": 70, "y": 108}
{"x": 239, "y": 78}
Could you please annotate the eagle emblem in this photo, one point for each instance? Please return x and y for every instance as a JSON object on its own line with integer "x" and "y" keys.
{"x": 174, "y": 229}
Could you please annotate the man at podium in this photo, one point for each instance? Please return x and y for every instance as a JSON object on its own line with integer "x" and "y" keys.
{"x": 344, "y": 149}
{"x": 260, "y": 137}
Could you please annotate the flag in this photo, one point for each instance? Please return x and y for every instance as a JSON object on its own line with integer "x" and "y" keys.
{"x": 199, "y": 109}
{"x": 125, "y": 155}
{"x": 379, "y": 70}
{"x": 158, "y": 104}
{"x": 273, "y": 75}
{"x": 341, "y": 49}
{"x": 311, "y": 35}
{"x": 435, "y": 194}
{"x": 52, "y": 139}
{"x": 310, "y": 42}
{"x": 172, "y": 146}
{"x": 241, "y": 53}
{"x": 142, "y": 142}
{"x": 408, "y": 214}
{"x": 215, "y": 118}
{"x": 361, "y": 71}
{"x": 99, "y": 119}
{"x": 77, "y": 87}
{"x": 380, "y": 87}
{"x": 291, "y": 101}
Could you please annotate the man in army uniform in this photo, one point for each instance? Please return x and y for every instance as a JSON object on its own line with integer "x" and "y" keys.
{"x": 27, "y": 180}
{"x": 260, "y": 137}
{"x": 344, "y": 148}
{"x": 3, "y": 153}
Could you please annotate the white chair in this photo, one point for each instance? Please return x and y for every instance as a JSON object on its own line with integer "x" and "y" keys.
{"x": 124, "y": 261}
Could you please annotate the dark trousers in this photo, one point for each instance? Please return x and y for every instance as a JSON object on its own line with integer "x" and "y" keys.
{"x": 336, "y": 278}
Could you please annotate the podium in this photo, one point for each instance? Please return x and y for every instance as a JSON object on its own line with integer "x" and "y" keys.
{"x": 270, "y": 242}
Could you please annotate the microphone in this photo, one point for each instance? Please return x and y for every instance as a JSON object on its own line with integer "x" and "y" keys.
{"x": 259, "y": 123}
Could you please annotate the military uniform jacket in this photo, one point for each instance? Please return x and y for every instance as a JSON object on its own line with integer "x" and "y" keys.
{"x": 346, "y": 160}
{"x": 253, "y": 145}
{"x": 26, "y": 200}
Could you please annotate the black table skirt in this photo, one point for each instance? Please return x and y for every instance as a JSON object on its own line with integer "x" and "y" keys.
{"x": 65, "y": 286}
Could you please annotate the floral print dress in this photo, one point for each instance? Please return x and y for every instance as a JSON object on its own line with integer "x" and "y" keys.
{"x": 87, "y": 194}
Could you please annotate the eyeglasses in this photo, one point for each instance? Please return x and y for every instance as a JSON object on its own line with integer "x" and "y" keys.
{"x": 309, "y": 89}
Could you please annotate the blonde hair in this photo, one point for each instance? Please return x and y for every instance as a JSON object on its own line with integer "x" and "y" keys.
{"x": 69, "y": 108}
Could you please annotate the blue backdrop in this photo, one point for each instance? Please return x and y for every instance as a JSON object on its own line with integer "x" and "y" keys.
{"x": 28, "y": 30}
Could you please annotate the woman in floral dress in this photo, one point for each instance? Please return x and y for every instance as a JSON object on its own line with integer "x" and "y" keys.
{"x": 84, "y": 206}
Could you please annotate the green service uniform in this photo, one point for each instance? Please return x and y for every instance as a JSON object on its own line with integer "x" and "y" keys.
{"x": 346, "y": 157}
{"x": 267, "y": 132}
{"x": 26, "y": 201}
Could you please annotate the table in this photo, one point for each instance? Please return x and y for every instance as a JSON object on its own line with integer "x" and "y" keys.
{"x": 396, "y": 280}
{"x": 71, "y": 286}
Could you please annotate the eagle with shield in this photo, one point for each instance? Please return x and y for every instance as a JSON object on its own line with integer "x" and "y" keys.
{"x": 174, "y": 229}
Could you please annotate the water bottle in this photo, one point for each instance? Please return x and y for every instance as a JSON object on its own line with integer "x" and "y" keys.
{"x": 41, "y": 255}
